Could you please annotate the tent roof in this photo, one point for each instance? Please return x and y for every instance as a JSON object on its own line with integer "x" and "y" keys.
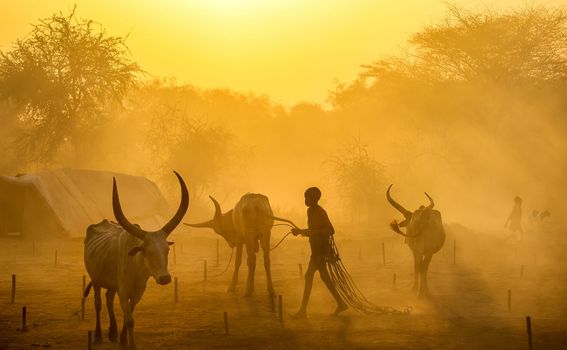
{"x": 79, "y": 198}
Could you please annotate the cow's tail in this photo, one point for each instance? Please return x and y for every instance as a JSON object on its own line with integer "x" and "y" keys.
{"x": 87, "y": 289}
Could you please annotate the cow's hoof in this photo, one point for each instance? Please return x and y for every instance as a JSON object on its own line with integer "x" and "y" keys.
{"x": 231, "y": 289}
{"x": 248, "y": 294}
{"x": 113, "y": 335}
{"x": 97, "y": 339}
{"x": 272, "y": 292}
{"x": 424, "y": 294}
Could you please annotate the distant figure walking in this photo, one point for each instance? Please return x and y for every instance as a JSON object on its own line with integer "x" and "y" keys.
{"x": 514, "y": 221}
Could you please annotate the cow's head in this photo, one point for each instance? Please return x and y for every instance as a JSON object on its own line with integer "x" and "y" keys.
{"x": 414, "y": 222}
{"x": 220, "y": 223}
{"x": 154, "y": 247}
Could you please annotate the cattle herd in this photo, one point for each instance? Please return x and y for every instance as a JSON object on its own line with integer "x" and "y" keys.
{"x": 121, "y": 257}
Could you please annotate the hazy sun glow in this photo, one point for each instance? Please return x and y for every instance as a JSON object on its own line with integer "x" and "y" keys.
{"x": 292, "y": 50}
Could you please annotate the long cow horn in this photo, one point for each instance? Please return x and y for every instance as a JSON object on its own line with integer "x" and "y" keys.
{"x": 176, "y": 219}
{"x": 431, "y": 203}
{"x": 404, "y": 211}
{"x": 218, "y": 212}
{"x": 210, "y": 223}
{"x": 119, "y": 214}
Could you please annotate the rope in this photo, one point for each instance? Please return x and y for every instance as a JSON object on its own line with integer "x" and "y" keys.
{"x": 287, "y": 223}
{"x": 346, "y": 287}
{"x": 227, "y": 266}
{"x": 349, "y": 291}
{"x": 280, "y": 242}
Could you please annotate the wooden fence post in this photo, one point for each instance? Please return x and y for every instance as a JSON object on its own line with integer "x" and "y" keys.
{"x": 280, "y": 308}
{"x": 24, "y": 316}
{"x": 205, "y": 269}
{"x": 225, "y": 316}
{"x": 529, "y": 330}
{"x": 509, "y": 300}
{"x": 13, "y": 296}
{"x": 176, "y": 286}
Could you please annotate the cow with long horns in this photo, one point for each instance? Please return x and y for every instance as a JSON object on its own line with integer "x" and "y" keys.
{"x": 121, "y": 258}
{"x": 248, "y": 224}
{"x": 425, "y": 236}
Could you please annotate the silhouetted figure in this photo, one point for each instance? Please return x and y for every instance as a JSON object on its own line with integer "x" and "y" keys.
{"x": 319, "y": 232}
{"x": 544, "y": 214}
{"x": 535, "y": 215}
{"x": 514, "y": 221}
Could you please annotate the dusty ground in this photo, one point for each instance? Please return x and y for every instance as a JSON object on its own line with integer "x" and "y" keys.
{"x": 468, "y": 308}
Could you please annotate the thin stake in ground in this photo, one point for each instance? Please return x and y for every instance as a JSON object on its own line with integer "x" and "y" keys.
{"x": 280, "y": 308}
{"x": 205, "y": 270}
{"x": 529, "y": 330}
{"x": 24, "y": 317}
{"x": 225, "y": 316}
{"x": 13, "y": 295}
{"x": 509, "y": 300}
{"x": 176, "y": 298}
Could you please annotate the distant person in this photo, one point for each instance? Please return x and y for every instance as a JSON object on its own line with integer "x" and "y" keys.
{"x": 319, "y": 232}
{"x": 514, "y": 221}
{"x": 544, "y": 214}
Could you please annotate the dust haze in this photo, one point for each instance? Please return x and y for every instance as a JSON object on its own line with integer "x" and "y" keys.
{"x": 471, "y": 109}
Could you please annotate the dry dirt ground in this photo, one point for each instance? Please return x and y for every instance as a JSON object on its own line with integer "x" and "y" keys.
{"x": 468, "y": 308}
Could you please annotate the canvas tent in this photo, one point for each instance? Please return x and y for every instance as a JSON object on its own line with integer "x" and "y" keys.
{"x": 64, "y": 202}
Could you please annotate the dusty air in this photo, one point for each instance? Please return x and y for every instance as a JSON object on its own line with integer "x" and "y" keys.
{"x": 247, "y": 174}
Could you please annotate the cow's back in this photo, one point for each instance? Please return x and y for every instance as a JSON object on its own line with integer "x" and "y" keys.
{"x": 253, "y": 213}
{"x": 101, "y": 253}
{"x": 429, "y": 231}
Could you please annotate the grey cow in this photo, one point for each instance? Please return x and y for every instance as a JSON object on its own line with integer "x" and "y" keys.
{"x": 122, "y": 258}
{"x": 248, "y": 224}
{"x": 425, "y": 236}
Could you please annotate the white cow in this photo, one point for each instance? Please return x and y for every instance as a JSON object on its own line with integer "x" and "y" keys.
{"x": 113, "y": 263}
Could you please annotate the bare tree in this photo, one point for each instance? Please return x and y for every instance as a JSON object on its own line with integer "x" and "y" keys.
{"x": 360, "y": 179}
{"x": 64, "y": 73}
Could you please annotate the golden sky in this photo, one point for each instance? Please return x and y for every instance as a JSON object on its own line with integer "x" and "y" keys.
{"x": 292, "y": 50}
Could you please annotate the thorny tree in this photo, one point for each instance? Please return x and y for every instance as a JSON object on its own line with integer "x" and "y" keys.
{"x": 360, "y": 179}
{"x": 64, "y": 74}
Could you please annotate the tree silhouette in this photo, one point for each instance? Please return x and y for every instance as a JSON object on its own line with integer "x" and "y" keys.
{"x": 360, "y": 179}
{"x": 64, "y": 73}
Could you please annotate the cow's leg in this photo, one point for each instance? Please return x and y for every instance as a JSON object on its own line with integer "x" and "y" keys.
{"x": 123, "y": 336}
{"x": 251, "y": 260}
{"x": 113, "y": 329}
{"x": 128, "y": 324}
{"x": 98, "y": 307}
{"x": 131, "y": 343}
{"x": 416, "y": 268}
{"x": 267, "y": 266}
{"x": 237, "y": 263}
{"x": 423, "y": 289}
